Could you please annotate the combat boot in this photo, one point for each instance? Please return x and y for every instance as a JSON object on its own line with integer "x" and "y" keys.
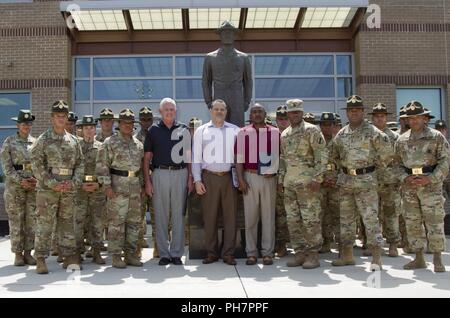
{"x": 393, "y": 251}
{"x": 346, "y": 257}
{"x": 299, "y": 259}
{"x": 96, "y": 257}
{"x": 376, "y": 259}
{"x": 437, "y": 262}
{"x": 73, "y": 261}
{"x": 312, "y": 260}
{"x": 326, "y": 247}
{"x": 18, "y": 259}
{"x": 28, "y": 258}
{"x": 132, "y": 260}
{"x": 281, "y": 250}
{"x": 418, "y": 262}
{"x": 41, "y": 267}
{"x": 117, "y": 261}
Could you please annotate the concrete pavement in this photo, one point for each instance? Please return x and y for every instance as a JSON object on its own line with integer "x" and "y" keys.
{"x": 195, "y": 280}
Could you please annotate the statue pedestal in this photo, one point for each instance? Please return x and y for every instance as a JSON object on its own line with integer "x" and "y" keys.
{"x": 196, "y": 233}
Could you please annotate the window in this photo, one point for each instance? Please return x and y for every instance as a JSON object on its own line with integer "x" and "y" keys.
{"x": 430, "y": 98}
{"x": 322, "y": 80}
{"x": 10, "y": 104}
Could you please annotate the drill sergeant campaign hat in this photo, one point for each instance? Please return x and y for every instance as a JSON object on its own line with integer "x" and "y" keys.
{"x": 309, "y": 118}
{"x": 354, "y": 101}
{"x": 73, "y": 117}
{"x": 145, "y": 113}
{"x": 25, "y": 116}
{"x": 414, "y": 108}
{"x": 379, "y": 108}
{"x": 60, "y": 106}
{"x": 88, "y": 120}
{"x": 106, "y": 113}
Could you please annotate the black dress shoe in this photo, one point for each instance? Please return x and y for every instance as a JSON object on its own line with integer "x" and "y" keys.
{"x": 176, "y": 261}
{"x": 164, "y": 261}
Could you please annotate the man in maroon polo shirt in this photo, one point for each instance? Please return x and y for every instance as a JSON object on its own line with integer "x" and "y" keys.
{"x": 257, "y": 164}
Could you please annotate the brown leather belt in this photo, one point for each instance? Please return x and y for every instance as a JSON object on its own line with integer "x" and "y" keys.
{"x": 254, "y": 171}
{"x": 220, "y": 173}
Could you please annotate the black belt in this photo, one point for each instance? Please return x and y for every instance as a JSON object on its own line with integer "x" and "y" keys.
{"x": 23, "y": 167}
{"x": 356, "y": 172}
{"x": 124, "y": 173}
{"x": 421, "y": 170}
{"x": 179, "y": 167}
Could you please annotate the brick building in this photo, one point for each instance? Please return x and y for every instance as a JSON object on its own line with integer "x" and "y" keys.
{"x": 131, "y": 53}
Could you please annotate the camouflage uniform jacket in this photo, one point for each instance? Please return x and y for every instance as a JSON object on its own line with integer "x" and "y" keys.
{"x": 90, "y": 150}
{"x": 363, "y": 147}
{"x": 389, "y": 175}
{"x": 16, "y": 151}
{"x": 141, "y": 136}
{"x": 101, "y": 137}
{"x": 56, "y": 151}
{"x": 303, "y": 155}
{"x": 124, "y": 154}
{"x": 428, "y": 148}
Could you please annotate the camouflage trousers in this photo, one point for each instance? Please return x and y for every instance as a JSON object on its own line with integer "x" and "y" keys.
{"x": 281, "y": 228}
{"x": 146, "y": 205}
{"x": 51, "y": 206}
{"x": 20, "y": 205}
{"x": 303, "y": 218}
{"x": 329, "y": 200}
{"x": 424, "y": 206}
{"x": 124, "y": 222}
{"x": 361, "y": 202}
{"x": 88, "y": 218}
{"x": 389, "y": 211}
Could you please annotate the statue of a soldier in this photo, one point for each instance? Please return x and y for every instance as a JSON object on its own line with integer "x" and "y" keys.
{"x": 227, "y": 75}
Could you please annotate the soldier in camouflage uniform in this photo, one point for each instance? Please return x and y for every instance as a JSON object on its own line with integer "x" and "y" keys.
{"x": 106, "y": 120}
{"x": 20, "y": 193}
{"x": 119, "y": 171}
{"x": 303, "y": 162}
{"x": 329, "y": 191}
{"x": 359, "y": 148}
{"x": 281, "y": 228}
{"x": 423, "y": 156}
{"x": 388, "y": 185}
{"x": 90, "y": 198}
{"x": 146, "y": 120}
{"x": 404, "y": 127}
{"x": 70, "y": 128}
{"x": 57, "y": 163}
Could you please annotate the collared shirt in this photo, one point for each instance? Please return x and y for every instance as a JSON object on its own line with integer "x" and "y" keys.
{"x": 162, "y": 140}
{"x": 254, "y": 147}
{"x": 213, "y": 148}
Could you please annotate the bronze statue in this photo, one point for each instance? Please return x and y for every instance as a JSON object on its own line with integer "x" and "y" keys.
{"x": 227, "y": 73}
